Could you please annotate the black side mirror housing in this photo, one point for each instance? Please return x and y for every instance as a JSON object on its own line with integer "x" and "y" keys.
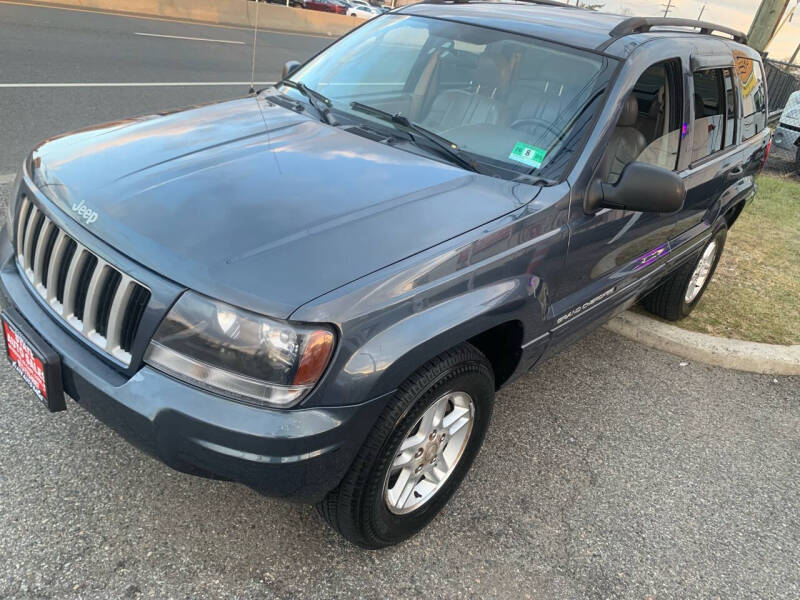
{"x": 641, "y": 187}
{"x": 289, "y": 67}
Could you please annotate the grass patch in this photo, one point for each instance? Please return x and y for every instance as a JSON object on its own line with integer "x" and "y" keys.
{"x": 755, "y": 292}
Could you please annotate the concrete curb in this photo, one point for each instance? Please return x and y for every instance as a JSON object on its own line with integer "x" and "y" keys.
{"x": 721, "y": 352}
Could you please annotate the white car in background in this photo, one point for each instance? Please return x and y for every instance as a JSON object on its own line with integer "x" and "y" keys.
{"x": 787, "y": 134}
{"x": 363, "y": 9}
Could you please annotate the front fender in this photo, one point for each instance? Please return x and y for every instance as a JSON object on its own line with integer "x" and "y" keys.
{"x": 387, "y": 359}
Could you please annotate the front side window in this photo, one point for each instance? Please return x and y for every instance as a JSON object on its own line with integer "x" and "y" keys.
{"x": 754, "y": 95}
{"x": 510, "y": 104}
{"x": 714, "y": 120}
{"x": 649, "y": 128}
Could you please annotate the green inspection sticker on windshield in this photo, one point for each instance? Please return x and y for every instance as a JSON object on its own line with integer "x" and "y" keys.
{"x": 528, "y": 155}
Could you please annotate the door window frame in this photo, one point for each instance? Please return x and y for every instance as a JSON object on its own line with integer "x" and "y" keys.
{"x": 734, "y": 145}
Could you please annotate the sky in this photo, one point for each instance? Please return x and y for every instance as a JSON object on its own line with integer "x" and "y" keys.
{"x": 733, "y": 13}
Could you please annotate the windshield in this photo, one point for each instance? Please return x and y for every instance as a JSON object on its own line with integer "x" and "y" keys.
{"x": 512, "y": 104}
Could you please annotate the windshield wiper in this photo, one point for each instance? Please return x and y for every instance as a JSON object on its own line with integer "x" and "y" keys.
{"x": 320, "y": 102}
{"x": 443, "y": 145}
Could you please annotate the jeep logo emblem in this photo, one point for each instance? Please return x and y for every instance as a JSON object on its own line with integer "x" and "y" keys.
{"x": 85, "y": 213}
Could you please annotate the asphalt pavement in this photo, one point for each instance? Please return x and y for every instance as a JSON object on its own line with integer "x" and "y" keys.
{"x": 82, "y": 52}
{"x": 610, "y": 471}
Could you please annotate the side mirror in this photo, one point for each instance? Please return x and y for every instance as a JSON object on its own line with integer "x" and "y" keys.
{"x": 641, "y": 187}
{"x": 289, "y": 67}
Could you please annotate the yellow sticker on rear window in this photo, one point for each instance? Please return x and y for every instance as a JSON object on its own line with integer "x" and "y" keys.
{"x": 528, "y": 155}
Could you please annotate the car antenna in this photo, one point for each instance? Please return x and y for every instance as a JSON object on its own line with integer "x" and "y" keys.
{"x": 253, "y": 63}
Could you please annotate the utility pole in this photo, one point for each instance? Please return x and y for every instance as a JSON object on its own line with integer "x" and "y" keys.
{"x": 698, "y": 16}
{"x": 668, "y": 7}
{"x": 794, "y": 56}
{"x": 765, "y": 22}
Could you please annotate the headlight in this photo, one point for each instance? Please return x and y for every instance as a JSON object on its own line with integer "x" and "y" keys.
{"x": 238, "y": 353}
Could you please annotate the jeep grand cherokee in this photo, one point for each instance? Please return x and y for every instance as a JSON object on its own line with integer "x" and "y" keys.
{"x": 318, "y": 289}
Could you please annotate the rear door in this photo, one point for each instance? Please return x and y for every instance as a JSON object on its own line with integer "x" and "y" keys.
{"x": 715, "y": 161}
{"x": 728, "y": 144}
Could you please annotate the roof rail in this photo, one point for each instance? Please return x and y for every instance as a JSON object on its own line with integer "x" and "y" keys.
{"x": 542, "y": 2}
{"x": 645, "y": 24}
{"x": 549, "y": 3}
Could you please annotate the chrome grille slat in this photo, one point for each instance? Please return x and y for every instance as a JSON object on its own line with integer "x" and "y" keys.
{"x": 88, "y": 290}
{"x": 117, "y": 316}
{"x": 71, "y": 287}
{"x": 101, "y": 273}
{"x": 23, "y": 219}
{"x": 62, "y": 241}
{"x": 28, "y": 243}
{"x": 38, "y": 261}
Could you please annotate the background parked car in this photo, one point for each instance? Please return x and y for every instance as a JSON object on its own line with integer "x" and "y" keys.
{"x": 363, "y": 12}
{"x": 327, "y": 6}
{"x": 292, "y": 3}
{"x": 787, "y": 134}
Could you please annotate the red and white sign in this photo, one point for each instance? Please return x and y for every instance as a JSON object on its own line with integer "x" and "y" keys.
{"x": 27, "y": 363}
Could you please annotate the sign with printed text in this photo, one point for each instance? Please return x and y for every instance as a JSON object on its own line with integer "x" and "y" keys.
{"x": 37, "y": 363}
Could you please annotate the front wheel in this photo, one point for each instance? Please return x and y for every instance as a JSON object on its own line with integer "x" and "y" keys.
{"x": 417, "y": 453}
{"x": 680, "y": 292}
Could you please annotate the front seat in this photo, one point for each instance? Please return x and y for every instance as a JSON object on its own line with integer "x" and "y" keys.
{"x": 456, "y": 108}
{"x": 626, "y": 143}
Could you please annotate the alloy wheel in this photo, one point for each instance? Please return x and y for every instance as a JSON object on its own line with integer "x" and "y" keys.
{"x": 429, "y": 453}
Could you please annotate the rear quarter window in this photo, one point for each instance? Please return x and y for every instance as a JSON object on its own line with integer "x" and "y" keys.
{"x": 754, "y": 95}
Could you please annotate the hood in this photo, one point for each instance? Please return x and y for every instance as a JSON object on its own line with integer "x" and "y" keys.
{"x": 260, "y": 206}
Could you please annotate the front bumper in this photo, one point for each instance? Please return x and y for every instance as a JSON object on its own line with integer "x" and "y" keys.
{"x": 298, "y": 454}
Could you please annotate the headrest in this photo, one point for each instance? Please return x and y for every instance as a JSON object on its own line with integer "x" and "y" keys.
{"x": 630, "y": 112}
{"x": 657, "y": 105}
{"x": 492, "y": 73}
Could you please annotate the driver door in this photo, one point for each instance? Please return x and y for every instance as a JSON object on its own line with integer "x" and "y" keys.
{"x": 613, "y": 254}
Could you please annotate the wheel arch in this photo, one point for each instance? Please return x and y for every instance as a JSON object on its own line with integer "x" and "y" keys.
{"x": 490, "y": 318}
{"x": 733, "y": 212}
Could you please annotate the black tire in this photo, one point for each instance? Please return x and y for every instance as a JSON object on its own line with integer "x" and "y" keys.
{"x": 357, "y": 508}
{"x": 797, "y": 160}
{"x": 668, "y": 300}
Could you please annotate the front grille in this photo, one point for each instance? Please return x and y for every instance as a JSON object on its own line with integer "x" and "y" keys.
{"x": 99, "y": 302}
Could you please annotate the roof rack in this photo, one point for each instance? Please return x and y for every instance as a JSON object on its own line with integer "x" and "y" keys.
{"x": 542, "y": 2}
{"x": 645, "y": 24}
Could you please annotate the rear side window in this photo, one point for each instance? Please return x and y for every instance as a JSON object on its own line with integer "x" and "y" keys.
{"x": 730, "y": 109}
{"x": 754, "y": 96}
{"x": 714, "y": 112}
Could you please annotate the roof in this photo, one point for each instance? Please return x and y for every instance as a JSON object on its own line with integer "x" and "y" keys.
{"x": 580, "y": 28}
{"x": 571, "y": 26}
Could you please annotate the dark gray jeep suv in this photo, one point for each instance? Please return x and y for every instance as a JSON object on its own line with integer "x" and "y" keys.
{"x": 317, "y": 290}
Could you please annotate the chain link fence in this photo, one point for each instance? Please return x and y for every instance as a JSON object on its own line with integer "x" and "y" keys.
{"x": 782, "y": 80}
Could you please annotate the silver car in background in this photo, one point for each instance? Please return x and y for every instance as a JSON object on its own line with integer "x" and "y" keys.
{"x": 788, "y": 130}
